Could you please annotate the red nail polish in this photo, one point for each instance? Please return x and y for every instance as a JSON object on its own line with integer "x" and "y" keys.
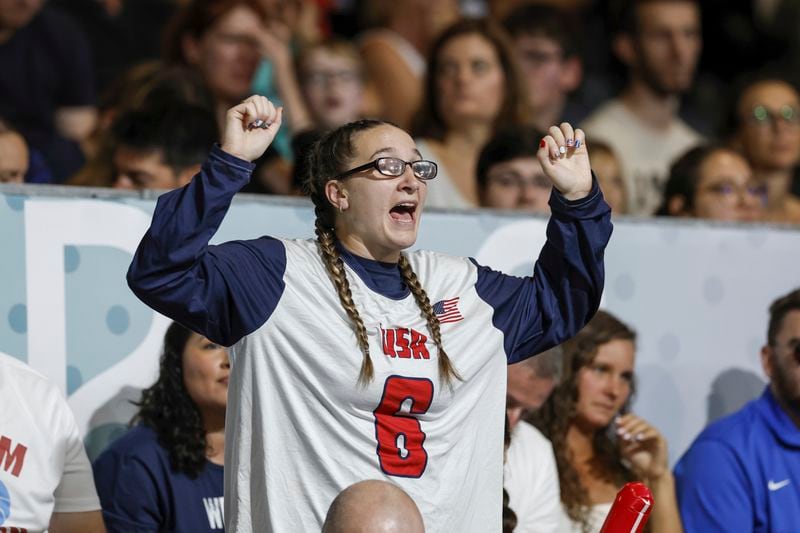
{"x": 542, "y": 144}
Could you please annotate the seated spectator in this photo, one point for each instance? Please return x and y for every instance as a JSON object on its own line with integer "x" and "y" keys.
{"x": 143, "y": 86}
{"x": 394, "y": 49}
{"x": 45, "y": 477}
{"x": 765, "y": 122}
{"x": 161, "y": 147}
{"x": 713, "y": 182}
{"x": 608, "y": 170}
{"x": 222, "y": 40}
{"x": 166, "y": 473}
{"x": 743, "y": 472}
{"x": 373, "y": 506}
{"x": 47, "y": 90}
{"x": 14, "y": 155}
{"x": 531, "y": 477}
{"x": 545, "y": 42}
{"x": 472, "y": 88}
{"x": 227, "y": 41}
{"x": 659, "y": 43}
{"x": 332, "y": 80}
{"x": 599, "y": 445}
{"x": 509, "y": 175}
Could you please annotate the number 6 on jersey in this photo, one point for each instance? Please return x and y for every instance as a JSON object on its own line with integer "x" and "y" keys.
{"x": 400, "y": 436}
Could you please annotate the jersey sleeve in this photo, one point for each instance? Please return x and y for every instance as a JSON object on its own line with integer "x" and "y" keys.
{"x": 128, "y": 491}
{"x": 713, "y": 490}
{"x": 223, "y": 292}
{"x": 541, "y": 311}
{"x": 75, "y": 492}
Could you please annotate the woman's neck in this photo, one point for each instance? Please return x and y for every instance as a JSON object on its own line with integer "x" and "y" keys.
{"x": 580, "y": 443}
{"x": 778, "y": 182}
{"x": 356, "y": 246}
{"x": 469, "y": 136}
{"x": 214, "y": 425}
{"x": 656, "y": 110}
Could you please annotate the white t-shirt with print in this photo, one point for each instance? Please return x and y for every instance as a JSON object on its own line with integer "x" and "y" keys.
{"x": 43, "y": 464}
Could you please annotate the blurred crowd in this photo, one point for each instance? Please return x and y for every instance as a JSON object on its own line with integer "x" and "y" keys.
{"x": 690, "y": 108}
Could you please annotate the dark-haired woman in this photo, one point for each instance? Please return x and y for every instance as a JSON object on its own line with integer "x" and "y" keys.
{"x": 713, "y": 182}
{"x": 352, "y": 359}
{"x": 599, "y": 445}
{"x": 166, "y": 473}
{"x": 471, "y": 88}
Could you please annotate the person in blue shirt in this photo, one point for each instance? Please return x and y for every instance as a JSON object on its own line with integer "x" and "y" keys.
{"x": 743, "y": 472}
{"x": 166, "y": 473}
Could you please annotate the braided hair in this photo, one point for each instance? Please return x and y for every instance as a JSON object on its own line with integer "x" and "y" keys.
{"x": 327, "y": 159}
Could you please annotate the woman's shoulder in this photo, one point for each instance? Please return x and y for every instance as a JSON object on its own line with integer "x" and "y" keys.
{"x": 139, "y": 441}
{"x": 438, "y": 259}
{"x": 306, "y": 250}
{"x": 385, "y": 41}
{"x": 440, "y": 269}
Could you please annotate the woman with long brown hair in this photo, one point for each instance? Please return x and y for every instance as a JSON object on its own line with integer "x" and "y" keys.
{"x": 599, "y": 445}
{"x": 352, "y": 358}
{"x": 471, "y": 89}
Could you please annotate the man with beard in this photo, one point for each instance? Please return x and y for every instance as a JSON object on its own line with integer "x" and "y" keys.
{"x": 743, "y": 472}
{"x": 659, "y": 42}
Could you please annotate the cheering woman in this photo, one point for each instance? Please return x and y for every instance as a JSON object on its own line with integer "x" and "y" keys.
{"x": 352, "y": 358}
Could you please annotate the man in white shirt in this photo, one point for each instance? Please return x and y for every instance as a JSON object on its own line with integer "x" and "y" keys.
{"x": 45, "y": 477}
{"x": 531, "y": 477}
{"x": 659, "y": 41}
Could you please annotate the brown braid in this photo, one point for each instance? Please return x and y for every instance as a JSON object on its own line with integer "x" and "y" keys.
{"x": 335, "y": 267}
{"x": 447, "y": 371}
{"x": 328, "y": 158}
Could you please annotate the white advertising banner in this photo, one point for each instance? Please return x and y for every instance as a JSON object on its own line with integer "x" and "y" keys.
{"x": 697, "y": 294}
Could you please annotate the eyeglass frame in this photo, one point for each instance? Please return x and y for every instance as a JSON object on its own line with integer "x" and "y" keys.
{"x": 771, "y": 117}
{"x": 729, "y": 190}
{"x": 374, "y": 164}
{"x": 325, "y": 78}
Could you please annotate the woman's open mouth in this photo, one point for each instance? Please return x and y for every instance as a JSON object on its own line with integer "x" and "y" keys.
{"x": 404, "y": 212}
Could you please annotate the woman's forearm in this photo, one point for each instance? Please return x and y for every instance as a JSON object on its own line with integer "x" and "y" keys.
{"x": 665, "y": 517}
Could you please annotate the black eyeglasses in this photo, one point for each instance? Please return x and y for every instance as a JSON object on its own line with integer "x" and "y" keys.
{"x": 394, "y": 167}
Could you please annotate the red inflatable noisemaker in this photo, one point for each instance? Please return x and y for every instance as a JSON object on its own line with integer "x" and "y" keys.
{"x": 630, "y": 510}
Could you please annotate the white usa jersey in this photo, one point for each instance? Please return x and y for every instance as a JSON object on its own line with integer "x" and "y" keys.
{"x": 323, "y": 432}
{"x": 299, "y": 427}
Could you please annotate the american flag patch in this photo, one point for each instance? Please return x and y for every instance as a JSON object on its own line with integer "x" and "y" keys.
{"x": 447, "y": 311}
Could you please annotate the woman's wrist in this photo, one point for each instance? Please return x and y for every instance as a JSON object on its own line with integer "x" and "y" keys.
{"x": 658, "y": 477}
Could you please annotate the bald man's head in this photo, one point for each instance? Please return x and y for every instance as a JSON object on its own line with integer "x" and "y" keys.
{"x": 373, "y": 506}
